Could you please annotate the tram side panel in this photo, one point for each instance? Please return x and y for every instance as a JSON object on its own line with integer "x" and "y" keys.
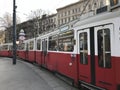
{"x": 51, "y": 63}
{"x": 22, "y": 50}
{"x": 67, "y": 65}
{"x": 22, "y": 54}
{"x": 30, "y": 50}
{"x": 38, "y": 57}
{"x": 97, "y": 65}
{"x": 116, "y": 57}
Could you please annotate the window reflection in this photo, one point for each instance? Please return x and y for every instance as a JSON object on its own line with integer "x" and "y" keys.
{"x": 104, "y": 50}
{"x": 83, "y": 48}
{"x": 39, "y": 44}
{"x": 31, "y": 45}
{"x": 53, "y": 43}
{"x": 65, "y": 41}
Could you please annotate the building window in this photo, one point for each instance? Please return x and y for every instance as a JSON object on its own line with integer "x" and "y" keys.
{"x": 69, "y": 12}
{"x": 79, "y": 9}
{"x": 65, "y": 20}
{"x": 113, "y": 2}
{"x": 65, "y": 13}
{"x": 61, "y": 21}
{"x": 101, "y": 4}
{"x": 76, "y": 10}
{"x": 89, "y": 7}
{"x": 58, "y": 22}
{"x": 95, "y": 5}
{"x": 73, "y": 11}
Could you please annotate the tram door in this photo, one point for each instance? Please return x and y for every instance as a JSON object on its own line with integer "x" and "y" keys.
{"x": 105, "y": 69}
{"x": 44, "y": 53}
{"x": 95, "y": 56}
{"x": 84, "y": 59}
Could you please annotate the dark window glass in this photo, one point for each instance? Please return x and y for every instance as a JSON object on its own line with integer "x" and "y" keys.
{"x": 113, "y": 2}
{"x": 104, "y": 48}
{"x": 53, "y": 43}
{"x": 39, "y": 44}
{"x": 31, "y": 45}
{"x": 65, "y": 41}
{"x": 5, "y": 47}
{"x": 83, "y": 44}
{"x": 22, "y": 46}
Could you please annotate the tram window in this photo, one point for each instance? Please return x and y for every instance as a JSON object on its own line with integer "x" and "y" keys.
{"x": 27, "y": 46}
{"x": 22, "y": 45}
{"x": 39, "y": 44}
{"x": 104, "y": 50}
{"x": 66, "y": 41}
{"x": 113, "y": 2}
{"x": 83, "y": 48}
{"x": 31, "y": 44}
{"x": 53, "y": 43}
{"x": 44, "y": 46}
{"x": 5, "y": 47}
{"x": 10, "y": 47}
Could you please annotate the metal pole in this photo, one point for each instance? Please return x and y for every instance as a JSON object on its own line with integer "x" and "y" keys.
{"x": 14, "y": 33}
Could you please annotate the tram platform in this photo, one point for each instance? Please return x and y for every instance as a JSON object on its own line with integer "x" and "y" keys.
{"x": 26, "y": 76}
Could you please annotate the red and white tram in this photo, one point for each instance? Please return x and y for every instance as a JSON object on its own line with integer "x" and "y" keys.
{"x": 98, "y": 52}
{"x": 87, "y": 52}
{"x": 6, "y": 50}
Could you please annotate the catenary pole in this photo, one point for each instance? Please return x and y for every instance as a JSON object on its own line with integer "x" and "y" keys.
{"x": 14, "y": 32}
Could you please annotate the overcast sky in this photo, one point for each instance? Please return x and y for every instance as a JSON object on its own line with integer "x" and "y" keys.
{"x": 25, "y": 6}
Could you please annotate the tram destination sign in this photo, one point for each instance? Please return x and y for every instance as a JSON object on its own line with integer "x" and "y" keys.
{"x": 65, "y": 28}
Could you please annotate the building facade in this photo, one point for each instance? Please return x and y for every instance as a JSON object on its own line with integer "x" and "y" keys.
{"x": 32, "y": 28}
{"x": 73, "y": 11}
{"x": 47, "y": 23}
{"x": 65, "y": 15}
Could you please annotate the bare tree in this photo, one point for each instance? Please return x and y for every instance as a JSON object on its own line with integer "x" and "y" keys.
{"x": 36, "y": 17}
{"x": 37, "y": 14}
{"x": 7, "y": 21}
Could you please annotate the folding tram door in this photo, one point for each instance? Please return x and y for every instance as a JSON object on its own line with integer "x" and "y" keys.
{"x": 105, "y": 69}
{"x": 94, "y": 45}
{"x": 44, "y": 52}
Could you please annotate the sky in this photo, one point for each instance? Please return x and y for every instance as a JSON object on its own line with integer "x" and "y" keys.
{"x": 24, "y": 7}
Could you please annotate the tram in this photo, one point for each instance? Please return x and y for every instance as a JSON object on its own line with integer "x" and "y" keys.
{"x": 6, "y": 50}
{"x": 86, "y": 52}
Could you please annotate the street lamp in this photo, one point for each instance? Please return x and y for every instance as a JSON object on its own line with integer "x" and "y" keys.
{"x": 14, "y": 32}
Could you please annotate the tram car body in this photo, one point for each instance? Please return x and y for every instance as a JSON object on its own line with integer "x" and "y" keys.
{"x": 21, "y": 49}
{"x": 98, "y": 51}
{"x": 87, "y": 52}
{"x": 43, "y": 56}
{"x": 6, "y": 50}
{"x": 27, "y": 50}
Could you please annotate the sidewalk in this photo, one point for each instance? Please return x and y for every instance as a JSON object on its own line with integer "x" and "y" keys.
{"x": 25, "y": 76}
